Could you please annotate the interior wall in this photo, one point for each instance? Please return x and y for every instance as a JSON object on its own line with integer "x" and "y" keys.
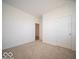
{"x": 59, "y": 26}
{"x": 18, "y": 27}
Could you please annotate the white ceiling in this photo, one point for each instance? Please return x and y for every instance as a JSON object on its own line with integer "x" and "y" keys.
{"x": 36, "y": 7}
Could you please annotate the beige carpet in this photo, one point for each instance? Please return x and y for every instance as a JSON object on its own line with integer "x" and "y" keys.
{"x": 39, "y": 50}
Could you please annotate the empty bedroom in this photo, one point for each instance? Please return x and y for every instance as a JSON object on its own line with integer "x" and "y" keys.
{"x": 38, "y": 29}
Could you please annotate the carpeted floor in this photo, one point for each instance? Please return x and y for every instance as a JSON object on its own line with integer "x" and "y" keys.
{"x": 39, "y": 50}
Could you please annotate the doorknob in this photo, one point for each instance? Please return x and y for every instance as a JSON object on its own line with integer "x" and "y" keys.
{"x": 70, "y": 34}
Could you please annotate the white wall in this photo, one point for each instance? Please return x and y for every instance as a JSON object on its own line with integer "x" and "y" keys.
{"x": 59, "y": 26}
{"x": 18, "y": 27}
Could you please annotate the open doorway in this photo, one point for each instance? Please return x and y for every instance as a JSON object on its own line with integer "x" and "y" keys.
{"x": 37, "y": 31}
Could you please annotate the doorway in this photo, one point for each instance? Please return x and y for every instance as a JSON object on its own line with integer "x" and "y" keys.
{"x": 36, "y": 31}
